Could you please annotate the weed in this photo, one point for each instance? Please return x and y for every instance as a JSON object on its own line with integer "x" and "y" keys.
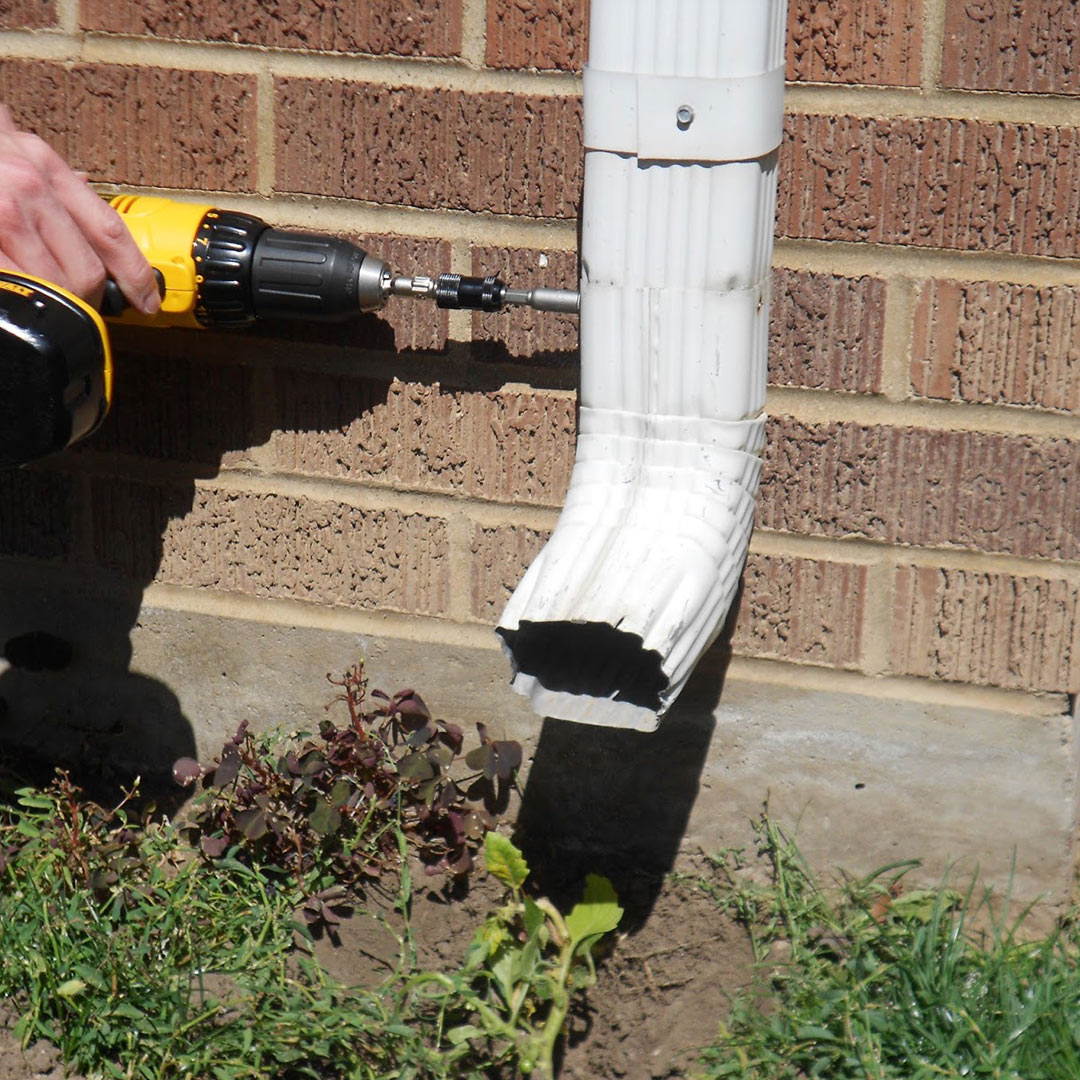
{"x": 144, "y": 958}
{"x": 511, "y": 999}
{"x": 326, "y": 809}
{"x": 885, "y": 982}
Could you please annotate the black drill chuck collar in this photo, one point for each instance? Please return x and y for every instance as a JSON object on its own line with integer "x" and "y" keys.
{"x": 472, "y": 293}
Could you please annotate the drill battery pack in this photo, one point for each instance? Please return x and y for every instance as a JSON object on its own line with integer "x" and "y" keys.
{"x": 55, "y": 369}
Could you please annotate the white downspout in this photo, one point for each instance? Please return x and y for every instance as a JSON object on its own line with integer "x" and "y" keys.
{"x": 683, "y": 117}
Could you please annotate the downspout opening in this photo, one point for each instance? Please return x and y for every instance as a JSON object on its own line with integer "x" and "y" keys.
{"x": 587, "y": 660}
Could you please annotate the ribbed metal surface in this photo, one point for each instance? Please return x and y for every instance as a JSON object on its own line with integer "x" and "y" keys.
{"x": 674, "y": 332}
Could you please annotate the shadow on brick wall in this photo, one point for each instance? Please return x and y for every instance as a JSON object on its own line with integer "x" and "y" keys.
{"x": 81, "y": 535}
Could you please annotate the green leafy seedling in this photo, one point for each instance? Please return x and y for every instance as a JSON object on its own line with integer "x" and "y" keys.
{"x": 532, "y": 959}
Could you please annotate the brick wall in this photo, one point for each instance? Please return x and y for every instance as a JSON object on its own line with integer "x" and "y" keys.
{"x": 918, "y": 516}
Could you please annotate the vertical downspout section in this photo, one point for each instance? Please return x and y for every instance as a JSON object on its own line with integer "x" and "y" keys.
{"x": 683, "y": 117}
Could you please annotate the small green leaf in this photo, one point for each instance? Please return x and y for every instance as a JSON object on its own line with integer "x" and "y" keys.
{"x": 534, "y": 917}
{"x": 340, "y": 793}
{"x": 505, "y": 861}
{"x": 440, "y": 756}
{"x": 415, "y": 766}
{"x": 463, "y": 1034}
{"x": 483, "y": 758}
{"x": 812, "y": 1031}
{"x": 597, "y": 914}
{"x": 128, "y": 1012}
{"x": 324, "y": 820}
{"x": 71, "y": 988}
{"x": 506, "y": 971}
{"x": 29, "y": 798}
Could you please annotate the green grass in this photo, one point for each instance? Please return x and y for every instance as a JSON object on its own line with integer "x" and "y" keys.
{"x": 874, "y": 981}
{"x": 139, "y": 961}
{"x": 142, "y": 959}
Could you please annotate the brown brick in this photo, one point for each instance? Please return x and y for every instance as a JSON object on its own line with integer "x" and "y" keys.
{"x": 991, "y": 629}
{"x": 827, "y": 332}
{"x": 941, "y": 183}
{"x": 1012, "y": 46}
{"x": 992, "y": 342}
{"x": 403, "y": 28}
{"x": 36, "y": 515}
{"x": 27, "y": 14}
{"x": 831, "y": 41}
{"x": 508, "y": 445}
{"x": 139, "y": 125}
{"x": 176, "y": 410}
{"x": 544, "y": 34}
{"x": 273, "y": 546}
{"x": 446, "y": 149}
{"x": 995, "y": 493}
{"x": 414, "y": 326}
{"x": 804, "y": 610}
{"x": 521, "y": 333}
{"x": 876, "y": 42}
{"x": 501, "y": 555}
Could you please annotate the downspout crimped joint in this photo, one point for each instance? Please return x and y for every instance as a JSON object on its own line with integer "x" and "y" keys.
{"x": 683, "y": 118}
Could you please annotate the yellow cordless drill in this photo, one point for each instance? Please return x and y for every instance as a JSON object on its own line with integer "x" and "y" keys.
{"x": 215, "y": 268}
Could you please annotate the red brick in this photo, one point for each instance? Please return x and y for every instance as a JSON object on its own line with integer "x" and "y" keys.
{"x": 803, "y": 610}
{"x": 501, "y": 555}
{"x": 511, "y": 446}
{"x": 414, "y": 326}
{"x": 994, "y": 493}
{"x": 521, "y": 333}
{"x": 991, "y": 342}
{"x": 140, "y": 125}
{"x": 436, "y": 149}
{"x": 830, "y": 41}
{"x": 544, "y": 34}
{"x": 942, "y": 183}
{"x": 27, "y": 14}
{"x": 1007, "y": 45}
{"x": 176, "y": 410}
{"x": 827, "y": 331}
{"x": 990, "y": 629}
{"x": 403, "y": 28}
{"x": 273, "y": 546}
{"x": 36, "y": 514}
{"x": 876, "y": 42}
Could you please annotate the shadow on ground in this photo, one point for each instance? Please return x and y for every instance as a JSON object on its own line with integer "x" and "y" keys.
{"x": 617, "y": 802}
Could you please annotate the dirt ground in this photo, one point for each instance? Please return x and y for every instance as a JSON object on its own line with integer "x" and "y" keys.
{"x": 662, "y": 988}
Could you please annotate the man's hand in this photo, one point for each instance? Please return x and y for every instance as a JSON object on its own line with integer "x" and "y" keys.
{"x": 53, "y": 225}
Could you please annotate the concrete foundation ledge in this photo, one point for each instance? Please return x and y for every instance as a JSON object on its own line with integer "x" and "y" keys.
{"x": 860, "y": 780}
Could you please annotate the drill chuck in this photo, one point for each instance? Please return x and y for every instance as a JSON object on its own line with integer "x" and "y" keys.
{"x": 225, "y": 268}
{"x": 484, "y": 294}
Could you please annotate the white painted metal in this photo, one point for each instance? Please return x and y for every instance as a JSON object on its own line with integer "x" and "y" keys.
{"x": 643, "y": 565}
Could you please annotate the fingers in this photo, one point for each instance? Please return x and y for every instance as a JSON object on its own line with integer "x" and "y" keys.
{"x": 24, "y": 207}
{"x": 54, "y": 226}
{"x": 106, "y": 233}
{"x": 7, "y": 125}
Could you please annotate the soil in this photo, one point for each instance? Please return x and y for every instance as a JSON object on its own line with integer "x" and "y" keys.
{"x": 663, "y": 985}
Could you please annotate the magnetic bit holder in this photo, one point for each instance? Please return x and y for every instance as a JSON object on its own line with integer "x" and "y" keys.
{"x": 456, "y": 291}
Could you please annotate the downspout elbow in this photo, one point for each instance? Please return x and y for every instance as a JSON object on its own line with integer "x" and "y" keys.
{"x": 683, "y": 111}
